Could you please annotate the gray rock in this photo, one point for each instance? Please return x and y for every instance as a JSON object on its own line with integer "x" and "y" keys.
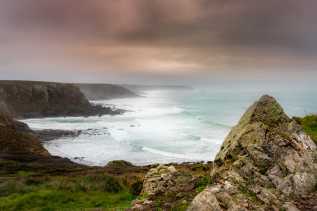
{"x": 205, "y": 201}
{"x": 167, "y": 185}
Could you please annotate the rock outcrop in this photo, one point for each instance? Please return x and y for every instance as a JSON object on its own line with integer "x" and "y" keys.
{"x": 266, "y": 162}
{"x": 20, "y": 149}
{"x": 166, "y": 188}
{"x": 49, "y": 135}
{"x": 105, "y": 91}
{"x": 28, "y": 99}
{"x": 16, "y": 139}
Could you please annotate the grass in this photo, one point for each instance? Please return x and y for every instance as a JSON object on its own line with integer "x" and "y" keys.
{"x": 248, "y": 193}
{"x": 202, "y": 183}
{"x": 309, "y": 124}
{"x": 50, "y": 199}
{"x": 25, "y": 192}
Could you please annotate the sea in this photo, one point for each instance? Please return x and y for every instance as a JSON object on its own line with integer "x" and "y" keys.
{"x": 165, "y": 125}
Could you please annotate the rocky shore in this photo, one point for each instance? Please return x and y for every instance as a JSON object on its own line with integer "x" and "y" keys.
{"x": 267, "y": 162}
{"x": 49, "y": 135}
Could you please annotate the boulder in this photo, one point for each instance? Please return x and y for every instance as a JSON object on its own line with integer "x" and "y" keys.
{"x": 165, "y": 187}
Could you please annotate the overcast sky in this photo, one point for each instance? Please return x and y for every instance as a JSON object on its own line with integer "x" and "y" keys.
{"x": 157, "y": 40}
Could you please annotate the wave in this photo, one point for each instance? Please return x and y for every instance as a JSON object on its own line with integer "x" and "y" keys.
{"x": 156, "y": 112}
{"x": 220, "y": 125}
{"x": 166, "y": 154}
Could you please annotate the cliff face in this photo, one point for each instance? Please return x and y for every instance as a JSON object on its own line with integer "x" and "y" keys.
{"x": 43, "y": 99}
{"x": 16, "y": 139}
{"x": 21, "y": 150}
{"x": 266, "y": 162}
{"x": 104, "y": 91}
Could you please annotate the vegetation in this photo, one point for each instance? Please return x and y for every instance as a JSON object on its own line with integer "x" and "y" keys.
{"x": 309, "y": 124}
{"x": 26, "y": 192}
{"x": 202, "y": 183}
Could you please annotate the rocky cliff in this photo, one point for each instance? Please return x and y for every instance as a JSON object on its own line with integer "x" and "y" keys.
{"x": 266, "y": 162}
{"x": 105, "y": 91}
{"x": 27, "y": 99}
{"x": 16, "y": 139}
{"x": 20, "y": 150}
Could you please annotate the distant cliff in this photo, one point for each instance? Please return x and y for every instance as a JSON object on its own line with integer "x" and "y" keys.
{"x": 28, "y": 99}
{"x": 104, "y": 91}
{"x": 142, "y": 88}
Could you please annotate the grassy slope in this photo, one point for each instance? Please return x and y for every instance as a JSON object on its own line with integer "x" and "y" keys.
{"x": 26, "y": 192}
{"x": 309, "y": 124}
{"x": 34, "y": 190}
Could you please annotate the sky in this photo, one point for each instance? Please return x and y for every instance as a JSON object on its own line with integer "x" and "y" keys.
{"x": 158, "y": 41}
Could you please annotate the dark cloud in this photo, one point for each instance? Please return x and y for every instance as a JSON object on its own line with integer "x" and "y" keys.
{"x": 158, "y": 35}
{"x": 240, "y": 22}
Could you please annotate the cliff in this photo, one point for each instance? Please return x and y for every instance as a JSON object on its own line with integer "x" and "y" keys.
{"x": 20, "y": 150}
{"x": 16, "y": 139}
{"x": 28, "y": 99}
{"x": 267, "y": 162}
{"x": 104, "y": 91}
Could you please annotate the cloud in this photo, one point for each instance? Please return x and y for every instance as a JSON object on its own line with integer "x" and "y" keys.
{"x": 157, "y": 37}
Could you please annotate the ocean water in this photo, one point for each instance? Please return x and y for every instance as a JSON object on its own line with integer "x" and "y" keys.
{"x": 164, "y": 125}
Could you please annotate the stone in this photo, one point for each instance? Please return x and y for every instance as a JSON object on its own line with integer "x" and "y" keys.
{"x": 168, "y": 185}
{"x": 304, "y": 182}
{"x": 288, "y": 206}
{"x": 205, "y": 201}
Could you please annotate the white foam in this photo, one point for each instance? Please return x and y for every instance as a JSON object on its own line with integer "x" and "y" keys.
{"x": 158, "y": 129}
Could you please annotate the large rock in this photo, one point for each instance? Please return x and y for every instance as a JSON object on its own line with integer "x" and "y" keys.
{"x": 167, "y": 188}
{"x": 266, "y": 162}
{"x": 28, "y": 99}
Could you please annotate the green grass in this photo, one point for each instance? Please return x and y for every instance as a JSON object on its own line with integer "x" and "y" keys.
{"x": 50, "y": 199}
{"x": 55, "y": 193}
{"x": 309, "y": 124}
{"x": 202, "y": 183}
